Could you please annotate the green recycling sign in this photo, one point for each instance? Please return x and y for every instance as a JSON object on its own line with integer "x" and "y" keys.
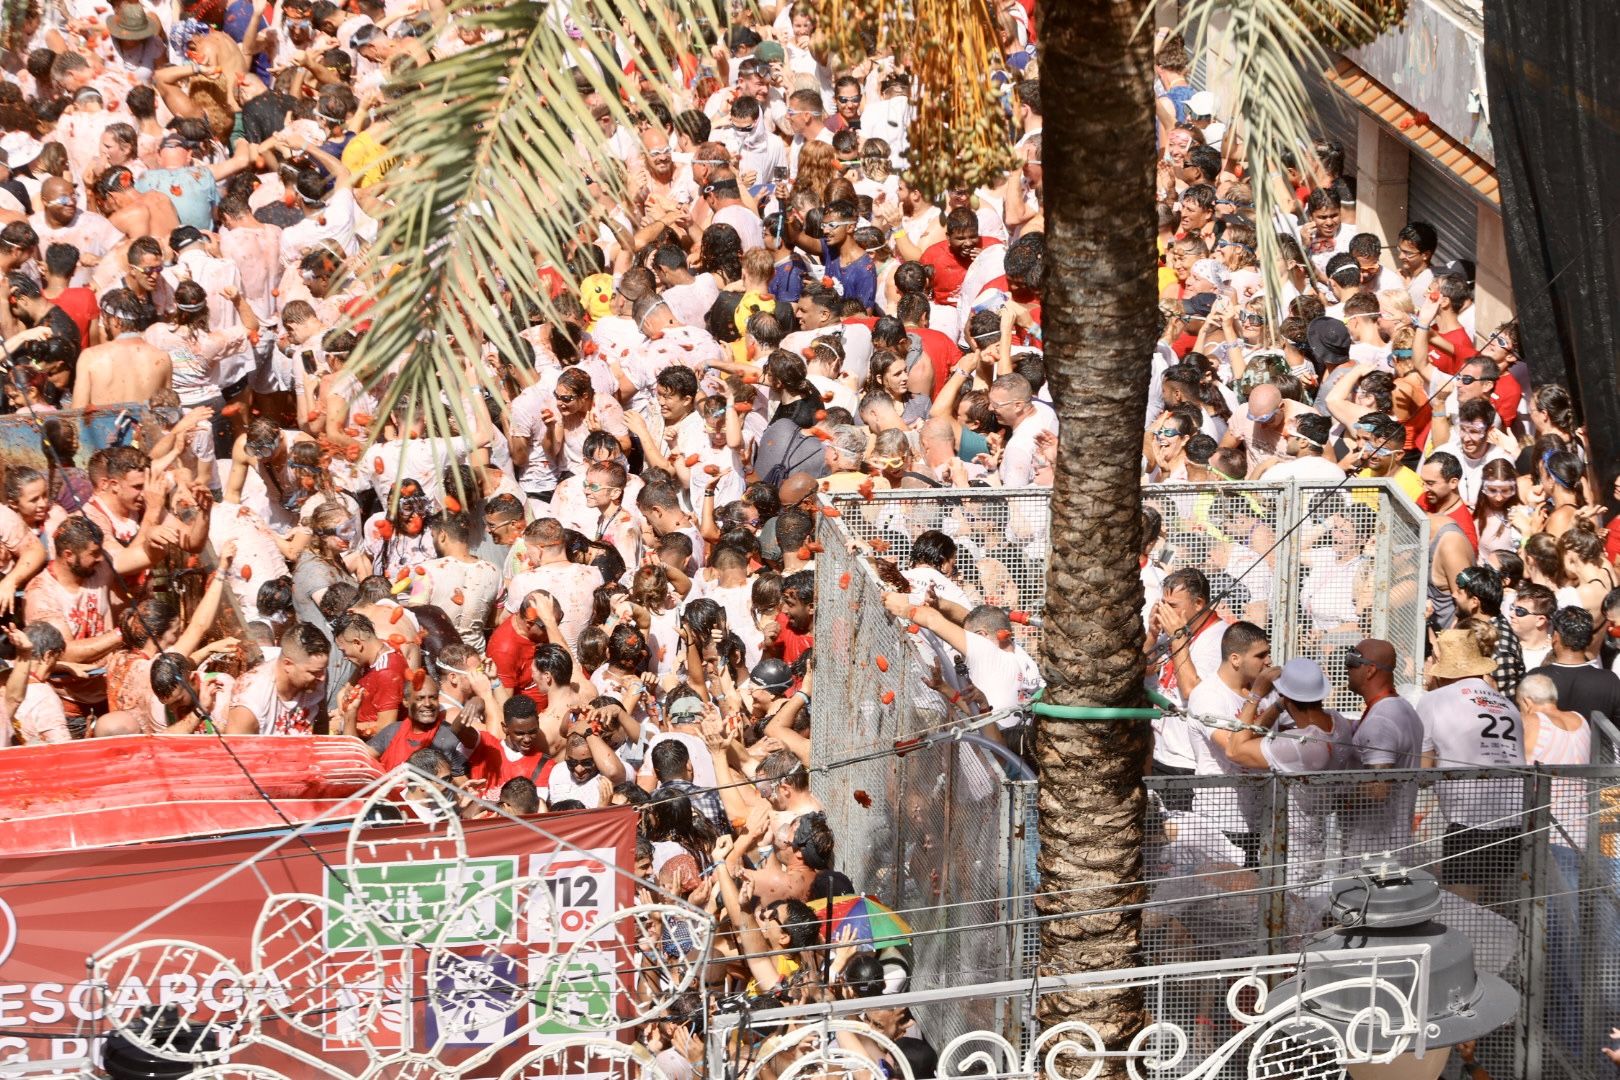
{"x": 391, "y": 903}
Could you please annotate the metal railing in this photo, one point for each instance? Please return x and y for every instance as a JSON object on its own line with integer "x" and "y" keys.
{"x": 1242, "y": 864}
{"x": 944, "y": 832}
{"x": 1201, "y": 1018}
{"x": 947, "y": 832}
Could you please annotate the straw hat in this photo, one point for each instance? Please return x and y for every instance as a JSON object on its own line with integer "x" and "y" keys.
{"x": 1457, "y": 656}
{"x": 131, "y": 23}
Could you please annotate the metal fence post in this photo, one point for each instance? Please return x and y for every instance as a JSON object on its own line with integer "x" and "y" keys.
{"x": 1274, "y": 864}
{"x": 1533, "y": 869}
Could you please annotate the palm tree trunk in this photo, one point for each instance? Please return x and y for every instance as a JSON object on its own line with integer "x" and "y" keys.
{"x": 1101, "y": 323}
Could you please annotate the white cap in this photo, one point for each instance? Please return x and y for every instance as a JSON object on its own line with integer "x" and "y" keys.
{"x": 1211, "y": 270}
{"x": 1201, "y": 104}
{"x": 21, "y": 148}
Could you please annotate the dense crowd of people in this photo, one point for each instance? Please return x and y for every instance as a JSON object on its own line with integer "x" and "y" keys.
{"x": 600, "y": 588}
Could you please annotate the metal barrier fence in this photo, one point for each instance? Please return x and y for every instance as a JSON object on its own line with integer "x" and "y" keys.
{"x": 1355, "y": 566}
{"x": 944, "y": 833}
{"x": 947, "y": 833}
{"x": 1222, "y": 1018}
{"x": 1242, "y": 865}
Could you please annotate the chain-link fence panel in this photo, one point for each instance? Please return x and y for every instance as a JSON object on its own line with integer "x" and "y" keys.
{"x": 1527, "y": 859}
{"x": 941, "y": 833}
{"x": 1317, "y": 566}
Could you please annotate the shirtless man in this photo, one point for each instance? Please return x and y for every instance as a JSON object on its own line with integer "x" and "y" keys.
{"x": 135, "y": 213}
{"x": 125, "y": 368}
{"x": 566, "y": 689}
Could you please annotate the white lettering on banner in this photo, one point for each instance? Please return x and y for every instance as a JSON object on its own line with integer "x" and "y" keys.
{"x": 13, "y": 999}
{"x": 47, "y": 999}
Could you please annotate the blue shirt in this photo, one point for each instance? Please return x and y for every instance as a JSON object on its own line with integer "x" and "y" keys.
{"x": 238, "y": 17}
{"x": 858, "y": 279}
{"x": 787, "y": 281}
{"x": 193, "y": 190}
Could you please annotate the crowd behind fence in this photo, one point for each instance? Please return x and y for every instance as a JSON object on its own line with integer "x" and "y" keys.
{"x": 1238, "y": 865}
{"x": 1318, "y": 565}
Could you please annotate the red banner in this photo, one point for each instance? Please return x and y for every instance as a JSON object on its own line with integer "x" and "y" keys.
{"x": 398, "y": 897}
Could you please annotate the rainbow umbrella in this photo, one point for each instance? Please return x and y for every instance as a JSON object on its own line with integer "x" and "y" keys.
{"x": 873, "y": 922}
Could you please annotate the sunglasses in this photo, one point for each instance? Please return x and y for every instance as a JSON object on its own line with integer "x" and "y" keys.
{"x": 1523, "y": 612}
{"x": 1353, "y": 659}
{"x": 1266, "y": 418}
{"x": 849, "y": 100}
{"x": 1167, "y": 432}
{"x": 566, "y": 399}
{"x": 1470, "y": 380}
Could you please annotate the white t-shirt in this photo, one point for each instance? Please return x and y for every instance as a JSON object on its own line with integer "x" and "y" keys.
{"x": 41, "y": 718}
{"x": 256, "y": 692}
{"x": 1174, "y": 736}
{"x": 1304, "y": 468}
{"x": 1018, "y": 457}
{"x": 696, "y": 749}
{"x": 1233, "y": 810}
{"x": 540, "y": 474}
{"x": 1468, "y": 723}
{"x": 1390, "y": 735}
{"x": 1006, "y": 677}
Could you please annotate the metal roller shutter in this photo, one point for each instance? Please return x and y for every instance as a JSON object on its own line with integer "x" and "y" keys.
{"x": 1436, "y": 197}
{"x": 1335, "y": 117}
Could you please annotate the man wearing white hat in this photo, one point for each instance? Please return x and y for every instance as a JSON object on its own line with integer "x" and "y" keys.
{"x": 20, "y": 150}
{"x": 1467, "y": 722}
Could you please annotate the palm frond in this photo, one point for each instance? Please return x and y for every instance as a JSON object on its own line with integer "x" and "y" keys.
{"x": 495, "y": 148}
{"x": 959, "y": 137}
{"x": 1270, "y": 43}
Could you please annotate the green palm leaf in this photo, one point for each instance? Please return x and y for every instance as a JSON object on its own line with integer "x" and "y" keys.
{"x": 1270, "y": 42}
{"x": 493, "y": 182}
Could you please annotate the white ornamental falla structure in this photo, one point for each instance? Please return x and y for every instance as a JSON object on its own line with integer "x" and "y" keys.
{"x": 300, "y": 979}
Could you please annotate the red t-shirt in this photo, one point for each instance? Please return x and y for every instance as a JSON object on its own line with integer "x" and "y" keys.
{"x": 491, "y": 760}
{"x": 514, "y": 661}
{"x": 382, "y": 688}
{"x": 942, "y": 355}
{"x": 79, "y": 304}
{"x": 1506, "y": 399}
{"x": 794, "y": 644}
{"x": 1464, "y": 346}
{"x": 949, "y": 270}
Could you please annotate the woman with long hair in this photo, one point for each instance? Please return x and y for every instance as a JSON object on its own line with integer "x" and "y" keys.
{"x": 1552, "y": 413}
{"x": 682, "y": 841}
{"x": 1167, "y": 447}
{"x": 27, "y": 491}
{"x": 152, "y": 627}
{"x": 1493, "y": 513}
{"x": 818, "y": 167}
{"x": 890, "y": 377}
{"x": 1559, "y": 492}
{"x": 1586, "y": 567}
{"x": 59, "y": 437}
{"x": 313, "y": 489}
{"x": 196, "y": 352}
{"x": 323, "y": 562}
{"x": 1544, "y": 565}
